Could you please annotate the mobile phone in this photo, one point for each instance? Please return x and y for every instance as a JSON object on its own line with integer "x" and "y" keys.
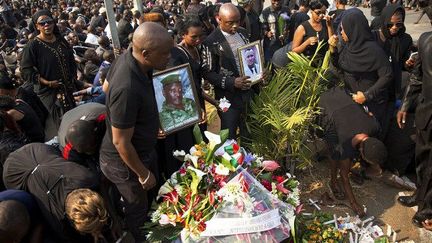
{"x": 413, "y": 55}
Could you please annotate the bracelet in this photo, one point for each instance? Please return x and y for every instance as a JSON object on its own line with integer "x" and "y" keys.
{"x": 145, "y": 180}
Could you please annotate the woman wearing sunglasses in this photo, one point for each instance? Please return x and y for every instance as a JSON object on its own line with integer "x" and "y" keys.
{"x": 48, "y": 64}
{"x": 397, "y": 45}
{"x": 309, "y": 33}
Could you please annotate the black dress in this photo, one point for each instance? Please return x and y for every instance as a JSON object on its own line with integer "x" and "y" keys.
{"x": 363, "y": 65}
{"x": 51, "y": 61}
{"x": 311, "y": 32}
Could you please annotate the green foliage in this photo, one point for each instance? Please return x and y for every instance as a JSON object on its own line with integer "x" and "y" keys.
{"x": 281, "y": 116}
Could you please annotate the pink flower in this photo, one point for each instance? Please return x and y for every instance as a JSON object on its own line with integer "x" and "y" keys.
{"x": 281, "y": 188}
{"x": 270, "y": 165}
{"x": 164, "y": 220}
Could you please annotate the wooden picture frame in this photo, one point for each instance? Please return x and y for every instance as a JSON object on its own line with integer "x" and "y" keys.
{"x": 178, "y": 105}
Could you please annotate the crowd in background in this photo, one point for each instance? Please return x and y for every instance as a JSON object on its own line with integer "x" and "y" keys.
{"x": 81, "y": 150}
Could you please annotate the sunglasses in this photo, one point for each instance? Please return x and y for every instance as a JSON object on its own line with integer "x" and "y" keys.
{"x": 46, "y": 22}
{"x": 398, "y": 25}
{"x": 319, "y": 12}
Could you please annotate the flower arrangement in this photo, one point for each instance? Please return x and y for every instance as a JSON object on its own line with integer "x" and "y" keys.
{"x": 317, "y": 231}
{"x": 215, "y": 177}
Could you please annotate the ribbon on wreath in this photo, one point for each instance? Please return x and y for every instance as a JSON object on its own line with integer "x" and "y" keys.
{"x": 233, "y": 155}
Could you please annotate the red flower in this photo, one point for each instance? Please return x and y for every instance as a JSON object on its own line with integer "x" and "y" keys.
{"x": 279, "y": 179}
{"x": 266, "y": 184}
{"x": 172, "y": 197}
{"x": 212, "y": 197}
{"x": 182, "y": 171}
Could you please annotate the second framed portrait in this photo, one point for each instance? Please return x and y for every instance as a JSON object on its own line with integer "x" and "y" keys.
{"x": 252, "y": 61}
{"x": 176, "y": 98}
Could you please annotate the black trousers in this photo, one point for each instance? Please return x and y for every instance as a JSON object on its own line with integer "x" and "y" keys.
{"x": 423, "y": 159}
{"x": 136, "y": 200}
{"x": 232, "y": 119}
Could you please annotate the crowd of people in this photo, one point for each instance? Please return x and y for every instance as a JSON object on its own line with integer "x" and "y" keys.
{"x": 81, "y": 145}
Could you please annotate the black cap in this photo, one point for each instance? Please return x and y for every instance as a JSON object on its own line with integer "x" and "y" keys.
{"x": 6, "y": 82}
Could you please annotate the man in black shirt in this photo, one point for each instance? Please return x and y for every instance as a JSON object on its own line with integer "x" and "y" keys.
{"x": 349, "y": 128}
{"x": 127, "y": 156}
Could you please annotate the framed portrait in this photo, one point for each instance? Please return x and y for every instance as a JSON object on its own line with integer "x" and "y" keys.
{"x": 251, "y": 58}
{"x": 176, "y": 98}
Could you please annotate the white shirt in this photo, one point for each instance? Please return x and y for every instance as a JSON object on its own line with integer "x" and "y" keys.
{"x": 235, "y": 41}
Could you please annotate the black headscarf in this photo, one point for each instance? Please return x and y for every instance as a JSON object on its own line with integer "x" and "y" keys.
{"x": 38, "y": 14}
{"x": 392, "y": 43}
{"x": 361, "y": 53}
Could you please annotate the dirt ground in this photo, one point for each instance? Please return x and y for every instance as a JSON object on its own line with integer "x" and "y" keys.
{"x": 378, "y": 198}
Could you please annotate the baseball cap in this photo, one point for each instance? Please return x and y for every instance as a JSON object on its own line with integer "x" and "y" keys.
{"x": 102, "y": 10}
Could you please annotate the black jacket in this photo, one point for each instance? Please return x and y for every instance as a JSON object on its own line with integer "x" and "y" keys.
{"x": 223, "y": 68}
{"x": 420, "y": 85}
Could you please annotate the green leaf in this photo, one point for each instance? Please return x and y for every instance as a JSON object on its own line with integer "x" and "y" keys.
{"x": 197, "y": 134}
{"x": 224, "y": 135}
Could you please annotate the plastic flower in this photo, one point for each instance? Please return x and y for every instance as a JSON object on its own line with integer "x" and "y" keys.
{"x": 224, "y": 104}
{"x": 270, "y": 165}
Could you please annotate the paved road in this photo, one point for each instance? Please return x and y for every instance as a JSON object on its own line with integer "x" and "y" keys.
{"x": 415, "y": 30}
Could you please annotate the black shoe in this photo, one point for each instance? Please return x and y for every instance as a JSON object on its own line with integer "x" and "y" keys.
{"x": 407, "y": 201}
{"x": 417, "y": 221}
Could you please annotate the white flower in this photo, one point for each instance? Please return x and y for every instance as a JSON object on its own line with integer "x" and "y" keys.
{"x": 214, "y": 139}
{"x": 224, "y": 104}
{"x": 155, "y": 216}
{"x": 222, "y": 170}
{"x": 258, "y": 160}
{"x": 165, "y": 188}
{"x": 192, "y": 158}
{"x": 179, "y": 153}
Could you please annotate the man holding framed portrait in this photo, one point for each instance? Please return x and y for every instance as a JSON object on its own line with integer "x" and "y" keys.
{"x": 221, "y": 55}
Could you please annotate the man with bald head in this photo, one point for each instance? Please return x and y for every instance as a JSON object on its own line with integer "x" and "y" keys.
{"x": 127, "y": 156}
{"x": 222, "y": 57}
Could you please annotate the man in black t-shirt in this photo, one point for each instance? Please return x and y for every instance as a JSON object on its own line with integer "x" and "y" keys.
{"x": 127, "y": 156}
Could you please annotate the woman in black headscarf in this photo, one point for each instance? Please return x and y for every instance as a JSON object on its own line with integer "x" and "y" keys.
{"x": 363, "y": 64}
{"x": 396, "y": 43}
{"x": 48, "y": 64}
{"x": 366, "y": 72}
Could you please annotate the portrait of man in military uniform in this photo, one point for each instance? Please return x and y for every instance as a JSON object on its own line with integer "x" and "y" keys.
{"x": 177, "y": 110}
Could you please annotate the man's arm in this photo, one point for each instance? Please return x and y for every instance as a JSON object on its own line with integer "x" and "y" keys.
{"x": 412, "y": 92}
{"x": 122, "y": 140}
